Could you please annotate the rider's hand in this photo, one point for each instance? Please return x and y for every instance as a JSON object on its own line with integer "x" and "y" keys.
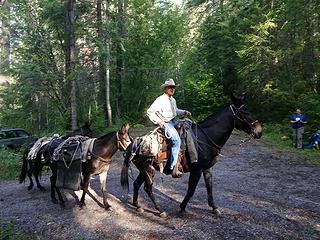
{"x": 162, "y": 123}
{"x": 187, "y": 114}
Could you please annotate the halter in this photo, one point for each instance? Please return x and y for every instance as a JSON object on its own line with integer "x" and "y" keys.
{"x": 120, "y": 144}
{"x": 235, "y": 111}
{"x": 238, "y": 111}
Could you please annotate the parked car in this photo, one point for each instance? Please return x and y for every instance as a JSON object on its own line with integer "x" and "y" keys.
{"x": 13, "y": 138}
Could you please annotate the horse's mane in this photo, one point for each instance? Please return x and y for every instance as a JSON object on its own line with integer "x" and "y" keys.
{"x": 210, "y": 120}
{"x": 106, "y": 136}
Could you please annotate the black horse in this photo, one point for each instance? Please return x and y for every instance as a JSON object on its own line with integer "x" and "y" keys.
{"x": 212, "y": 133}
{"x": 101, "y": 156}
{"x": 34, "y": 167}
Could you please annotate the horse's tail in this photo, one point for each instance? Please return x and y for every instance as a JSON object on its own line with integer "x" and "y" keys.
{"x": 24, "y": 167}
{"x": 125, "y": 168}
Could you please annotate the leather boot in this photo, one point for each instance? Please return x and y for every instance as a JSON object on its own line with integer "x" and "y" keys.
{"x": 175, "y": 172}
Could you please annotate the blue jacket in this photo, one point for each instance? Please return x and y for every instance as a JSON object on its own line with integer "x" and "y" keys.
{"x": 299, "y": 120}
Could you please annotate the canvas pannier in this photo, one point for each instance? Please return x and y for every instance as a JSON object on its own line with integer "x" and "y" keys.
{"x": 150, "y": 144}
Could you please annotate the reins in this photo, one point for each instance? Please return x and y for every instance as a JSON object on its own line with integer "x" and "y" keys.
{"x": 235, "y": 111}
{"x": 215, "y": 145}
{"x": 120, "y": 146}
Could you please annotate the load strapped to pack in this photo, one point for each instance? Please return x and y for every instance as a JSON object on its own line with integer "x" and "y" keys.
{"x": 38, "y": 145}
{"x": 150, "y": 143}
{"x": 69, "y": 156}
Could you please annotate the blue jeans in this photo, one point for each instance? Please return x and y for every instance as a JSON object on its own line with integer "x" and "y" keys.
{"x": 173, "y": 135}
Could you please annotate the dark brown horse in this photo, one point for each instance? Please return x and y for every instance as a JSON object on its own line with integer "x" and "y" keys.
{"x": 103, "y": 150}
{"x": 212, "y": 133}
{"x": 34, "y": 167}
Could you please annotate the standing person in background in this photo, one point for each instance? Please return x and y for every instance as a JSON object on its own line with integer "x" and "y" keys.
{"x": 298, "y": 120}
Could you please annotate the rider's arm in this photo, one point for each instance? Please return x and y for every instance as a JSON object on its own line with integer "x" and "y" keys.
{"x": 152, "y": 112}
{"x": 179, "y": 112}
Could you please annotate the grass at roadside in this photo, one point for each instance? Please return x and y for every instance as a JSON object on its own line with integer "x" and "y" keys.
{"x": 10, "y": 164}
{"x": 7, "y": 232}
{"x": 280, "y": 136}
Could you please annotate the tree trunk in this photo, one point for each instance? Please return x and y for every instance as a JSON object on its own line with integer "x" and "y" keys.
{"x": 104, "y": 62}
{"x": 119, "y": 62}
{"x": 108, "y": 40}
{"x": 5, "y": 37}
{"x": 70, "y": 58}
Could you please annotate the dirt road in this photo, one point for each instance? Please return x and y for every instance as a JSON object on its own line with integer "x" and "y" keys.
{"x": 263, "y": 193}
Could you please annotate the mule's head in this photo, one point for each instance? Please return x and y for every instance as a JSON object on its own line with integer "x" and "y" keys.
{"x": 123, "y": 137}
{"x": 243, "y": 119}
{"x": 85, "y": 130}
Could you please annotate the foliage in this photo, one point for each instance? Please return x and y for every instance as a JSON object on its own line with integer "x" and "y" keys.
{"x": 280, "y": 135}
{"x": 266, "y": 49}
{"x": 10, "y": 164}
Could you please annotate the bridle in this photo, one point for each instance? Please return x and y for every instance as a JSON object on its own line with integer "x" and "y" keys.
{"x": 120, "y": 144}
{"x": 238, "y": 114}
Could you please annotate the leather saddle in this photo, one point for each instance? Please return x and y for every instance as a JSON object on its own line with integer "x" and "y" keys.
{"x": 164, "y": 155}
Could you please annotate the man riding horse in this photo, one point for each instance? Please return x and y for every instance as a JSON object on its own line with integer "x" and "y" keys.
{"x": 162, "y": 112}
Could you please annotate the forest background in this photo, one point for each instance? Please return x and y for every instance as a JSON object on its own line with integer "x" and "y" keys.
{"x": 72, "y": 61}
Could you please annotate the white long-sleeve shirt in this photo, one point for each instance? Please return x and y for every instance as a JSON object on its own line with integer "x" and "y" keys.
{"x": 164, "y": 108}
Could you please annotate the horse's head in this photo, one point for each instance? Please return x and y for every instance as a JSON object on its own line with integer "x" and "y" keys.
{"x": 123, "y": 137}
{"x": 243, "y": 119}
{"x": 85, "y": 130}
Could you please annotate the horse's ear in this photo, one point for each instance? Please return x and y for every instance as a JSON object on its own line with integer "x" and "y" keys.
{"x": 237, "y": 101}
{"x": 125, "y": 128}
{"x": 233, "y": 99}
{"x": 243, "y": 97}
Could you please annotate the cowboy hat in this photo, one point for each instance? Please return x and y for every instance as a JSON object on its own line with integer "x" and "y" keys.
{"x": 168, "y": 83}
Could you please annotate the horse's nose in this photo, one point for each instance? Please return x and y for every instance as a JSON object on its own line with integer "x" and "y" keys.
{"x": 258, "y": 135}
{"x": 257, "y": 130}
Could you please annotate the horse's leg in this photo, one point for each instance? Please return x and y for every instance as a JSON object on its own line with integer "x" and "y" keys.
{"x": 207, "y": 175}
{"x": 193, "y": 182}
{"x": 103, "y": 186}
{"x": 37, "y": 171}
{"x": 52, "y": 188}
{"x": 136, "y": 186}
{"x": 53, "y": 180}
{"x": 29, "y": 172}
{"x": 149, "y": 173}
{"x": 85, "y": 187}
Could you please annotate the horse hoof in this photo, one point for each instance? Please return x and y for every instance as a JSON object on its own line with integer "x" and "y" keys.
{"x": 30, "y": 187}
{"x": 62, "y": 205}
{"x": 182, "y": 212}
{"x": 108, "y": 208}
{"x": 216, "y": 212}
{"x": 42, "y": 189}
{"x": 163, "y": 215}
{"x": 55, "y": 201}
{"x": 82, "y": 205}
{"x": 140, "y": 210}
